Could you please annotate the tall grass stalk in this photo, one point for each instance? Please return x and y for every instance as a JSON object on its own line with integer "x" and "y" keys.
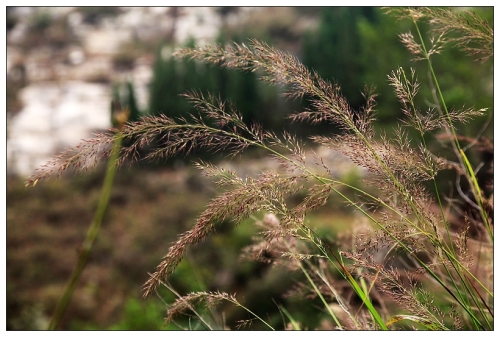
{"x": 471, "y": 176}
{"x": 91, "y": 236}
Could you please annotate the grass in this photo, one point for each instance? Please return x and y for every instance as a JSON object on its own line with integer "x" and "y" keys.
{"x": 386, "y": 277}
{"x": 90, "y": 238}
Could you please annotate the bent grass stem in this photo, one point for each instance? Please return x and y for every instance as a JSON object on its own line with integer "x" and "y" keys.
{"x": 91, "y": 236}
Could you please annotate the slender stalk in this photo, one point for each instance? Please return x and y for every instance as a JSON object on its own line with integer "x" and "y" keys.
{"x": 320, "y": 295}
{"x": 318, "y": 292}
{"x": 91, "y": 236}
{"x": 436, "y": 190}
{"x": 200, "y": 317}
{"x": 250, "y": 312}
{"x": 292, "y": 320}
{"x": 334, "y": 292}
{"x": 471, "y": 177}
{"x": 319, "y": 242}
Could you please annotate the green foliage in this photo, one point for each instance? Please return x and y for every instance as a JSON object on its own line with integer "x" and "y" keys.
{"x": 164, "y": 87}
{"x": 381, "y": 50}
{"x": 141, "y": 315}
{"x": 333, "y": 51}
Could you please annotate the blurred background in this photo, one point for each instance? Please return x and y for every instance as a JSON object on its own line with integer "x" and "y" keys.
{"x": 64, "y": 68}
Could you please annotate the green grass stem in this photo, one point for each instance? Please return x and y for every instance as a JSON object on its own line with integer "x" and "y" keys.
{"x": 91, "y": 236}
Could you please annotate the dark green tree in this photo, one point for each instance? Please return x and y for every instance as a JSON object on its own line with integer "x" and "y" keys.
{"x": 334, "y": 49}
{"x": 172, "y": 78}
{"x": 164, "y": 86}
